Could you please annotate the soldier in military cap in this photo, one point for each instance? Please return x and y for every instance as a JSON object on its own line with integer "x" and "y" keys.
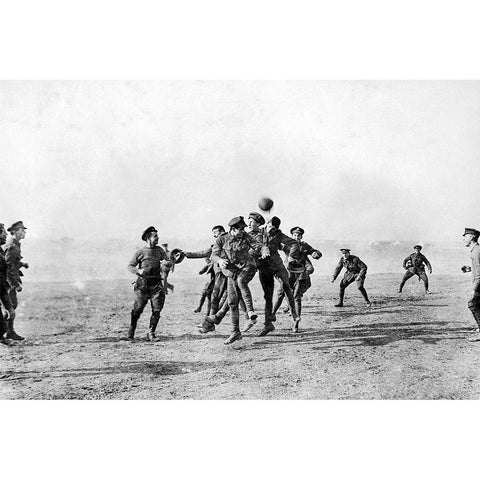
{"x": 414, "y": 264}
{"x": 4, "y": 297}
{"x": 299, "y": 270}
{"x": 233, "y": 253}
{"x": 356, "y": 271}
{"x": 150, "y": 264}
{"x": 13, "y": 258}
{"x": 470, "y": 239}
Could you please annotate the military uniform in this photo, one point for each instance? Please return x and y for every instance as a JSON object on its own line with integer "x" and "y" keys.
{"x": 4, "y": 296}
{"x": 414, "y": 264}
{"x": 13, "y": 258}
{"x": 299, "y": 270}
{"x": 151, "y": 285}
{"x": 474, "y": 302}
{"x": 356, "y": 271}
{"x": 240, "y": 270}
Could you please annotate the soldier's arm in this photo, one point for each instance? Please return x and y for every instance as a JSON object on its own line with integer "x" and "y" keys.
{"x": 476, "y": 268}
{"x": 217, "y": 250}
{"x": 316, "y": 254}
{"x": 132, "y": 266}
{"x": 405, "y": 260}
{"x": 338, "y": 269}
{"x": 256, "y": 246}
{"x": 199, "y": 253}
{"x": 427, "y": 263}
{"x": 363, "y": 268}
{"x": 11, "y": 260}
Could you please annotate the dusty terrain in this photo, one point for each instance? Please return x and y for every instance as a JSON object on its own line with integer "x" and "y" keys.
{"x": 405, "y": 347}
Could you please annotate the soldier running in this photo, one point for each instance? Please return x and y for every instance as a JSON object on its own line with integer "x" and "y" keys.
{"x": 299, "y": 270}
{"x": 470, "y": 238}
{"x": 151, "y": 265}
{"x": 13, "y": 257}
{"x": 356, "y": 271}
{"x": 414, "y": 264}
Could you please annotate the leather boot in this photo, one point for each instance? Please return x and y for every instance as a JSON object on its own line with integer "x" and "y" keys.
{"x": 133, "y": 325}
{"x": 11, "y": 334}
{"x": 153, "y": 326}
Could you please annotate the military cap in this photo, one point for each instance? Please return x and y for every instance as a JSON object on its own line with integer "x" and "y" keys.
{"x": 257, "y": 217}
{"x": 16, "y": 226}
{"x": 147, "y": 232}
{"x": 344, "y": 249}
{"x": 177, "y": 255}
{"x": 299, "y": 230}
{"x": 472, "y": 231}
{"x": 237, "y": 222}
{"x": 218, "y": 227}
{"x": 418, "y": 246}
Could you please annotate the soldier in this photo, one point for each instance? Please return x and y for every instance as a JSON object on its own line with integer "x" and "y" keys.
{"x": 470, "y": 239}
{"x": 4, "y": 297}
{"x": 13, "y": 257}
{"x": 299, "y": 270}
{"x": 210, "y": 270}
{"x": 414, "y": 264}
{"x": 233, "y": 253}
{"x": 356, "y": 271}
{"x": 151, "y": 265}
{"x": 270, "y": 266}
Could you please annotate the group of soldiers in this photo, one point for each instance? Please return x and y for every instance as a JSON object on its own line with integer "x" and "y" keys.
{"x": 232, "y": 262}
{"x": 10, "y": 278}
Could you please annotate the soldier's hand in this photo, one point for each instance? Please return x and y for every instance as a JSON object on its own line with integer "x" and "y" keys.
{"x": 223, "y": 263}
{"x": 316, "y": 255}
{"x": 18, "y": 288}
{"x": 333, "y": 279}
{"x": 140, "y": 271}
{"x": 265, "y": 253}
{"x": 466, "y": 269}
{"x": 25, "y": 265}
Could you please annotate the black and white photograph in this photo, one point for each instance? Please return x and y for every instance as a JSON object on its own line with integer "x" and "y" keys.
{"x": 239, "y": 239}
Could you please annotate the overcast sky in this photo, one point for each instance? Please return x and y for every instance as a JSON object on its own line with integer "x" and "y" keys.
{"x": 361, "y": 160}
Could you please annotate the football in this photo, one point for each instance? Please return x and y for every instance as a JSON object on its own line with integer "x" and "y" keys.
{"x": 265, "y": 204}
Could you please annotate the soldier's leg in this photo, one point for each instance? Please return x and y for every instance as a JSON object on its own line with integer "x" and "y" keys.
{"x": 5, "y": 301}
{"x": 279, "y": 298}
{"x": 423, "y": 276}
{"x": 11, "y": 333}
{"x": 157, "y": 301}
{"x": 244, "y": 278}
{"x": 234, "y": 311}
{"x": 300, "y": 287}
{"x": 268, "y": 284}
{"x": 361, "y": 288}
{"x": 218, "y": 291}
{"x": 345, "y": 282}
{"x": 408, "y": 274}
{"x": 140, "y": 300}
{"x": 282, "y": 275}
{"x": 210, "y": 293}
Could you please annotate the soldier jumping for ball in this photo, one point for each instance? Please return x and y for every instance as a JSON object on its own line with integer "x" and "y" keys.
{"x": 414, "y": 264}
{"x": 299, "y": 270}
{"x": 356, "y": 271}
{"x": 4, "y": 297}
{"x": 151, "y": 266}
{"x": 233, "y": 253}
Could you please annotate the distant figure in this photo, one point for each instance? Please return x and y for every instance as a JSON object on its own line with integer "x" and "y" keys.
{"x": 151, "y": 265}
{"x": 356, "y": 271}
{"x": 414, "y": 264}
{"x": 4, "y": 297}
{"x": 470, "y": 238}
{"x": 13, "y": 257}
{"x": 299, "y": 270}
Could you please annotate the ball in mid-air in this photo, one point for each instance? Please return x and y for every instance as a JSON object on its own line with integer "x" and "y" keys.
{"x": 265, "y": 204}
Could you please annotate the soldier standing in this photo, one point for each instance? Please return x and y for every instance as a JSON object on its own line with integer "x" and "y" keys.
{"x": 470, "y": 238}
{"x": 414, "y": 264}
{"x": 356, "y": 271}
{"x": 13, "y": 257}
{"x": 299, "y": 270}
{"x": 149, "y": 264}
{"x": 4, "y": 297}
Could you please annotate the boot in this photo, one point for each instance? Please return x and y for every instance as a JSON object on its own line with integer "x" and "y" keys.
{"x": 11, "y": 334}
{"x": 154, "y": 319}
{"x": 133, "y": 325}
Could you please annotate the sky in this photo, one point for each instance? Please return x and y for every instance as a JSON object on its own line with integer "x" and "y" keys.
{"x": 361, "y": 160}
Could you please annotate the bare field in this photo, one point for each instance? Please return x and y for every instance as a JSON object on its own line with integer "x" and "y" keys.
{"x": 405, "y": 347}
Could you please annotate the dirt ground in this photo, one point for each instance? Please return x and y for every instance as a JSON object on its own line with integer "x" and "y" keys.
{"x": 405, "y": 347}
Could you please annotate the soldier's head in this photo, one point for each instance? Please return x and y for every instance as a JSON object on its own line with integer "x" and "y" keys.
{"x": 297, "y": 233}
{"x": 273, "y": 224}
{"x": 255, "y": 220}
{"x": 417, "y": 248}
{"x": 237, "y": 226}
{"x": 150, "y": 236}
{"x": 345, "y": 253}
{"x": 217, "y": 230}
{"x": 18, "y": 230}
{"x": 470, "y": 236}
{"x": 3, "y": 234}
